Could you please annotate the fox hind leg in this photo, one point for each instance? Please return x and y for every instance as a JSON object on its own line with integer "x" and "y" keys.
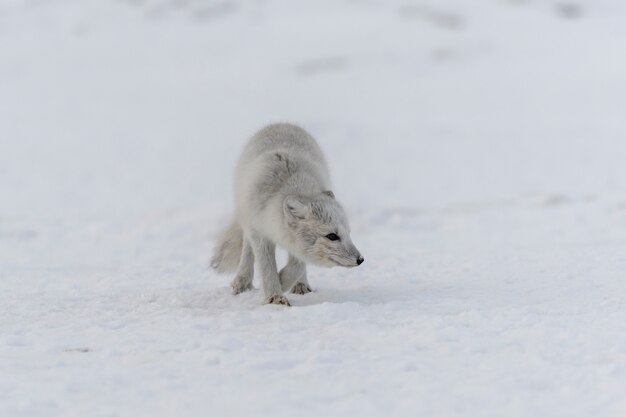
{"x": 245, "y": 271}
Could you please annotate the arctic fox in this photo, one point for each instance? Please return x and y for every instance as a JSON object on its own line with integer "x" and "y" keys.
{"x": 283, "y": 197}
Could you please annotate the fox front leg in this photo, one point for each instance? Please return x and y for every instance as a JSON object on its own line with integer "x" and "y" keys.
{"x": 293, "y": 276}
{"x": 301, "y": 287}
{"x": 265, "y": 258}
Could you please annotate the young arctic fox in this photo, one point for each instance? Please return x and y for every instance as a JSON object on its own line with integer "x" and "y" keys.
{"x": 283, "y": 197}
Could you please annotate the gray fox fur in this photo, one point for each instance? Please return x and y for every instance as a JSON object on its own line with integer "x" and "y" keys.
{"x": 283, "y": 197}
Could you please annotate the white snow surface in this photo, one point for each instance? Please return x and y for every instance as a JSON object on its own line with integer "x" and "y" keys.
{"x": 479, "y": 148}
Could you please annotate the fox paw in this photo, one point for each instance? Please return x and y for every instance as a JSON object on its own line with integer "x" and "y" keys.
{"x": 301, "y": 288}
{"x": 238, "y": 286}
{"x": 278, "y": 299}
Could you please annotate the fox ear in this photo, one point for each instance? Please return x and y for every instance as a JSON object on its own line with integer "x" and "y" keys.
{"x": 295, "y": 208}
{"x": 329, "y": 193}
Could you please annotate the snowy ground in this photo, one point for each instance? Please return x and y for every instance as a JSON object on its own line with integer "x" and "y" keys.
{"x": 479, "y": 148}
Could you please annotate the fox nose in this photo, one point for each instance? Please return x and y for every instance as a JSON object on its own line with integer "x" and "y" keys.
{"x": 359, "y": 260}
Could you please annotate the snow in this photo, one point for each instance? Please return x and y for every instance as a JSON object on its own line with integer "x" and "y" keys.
{"x": 478, "y": 148}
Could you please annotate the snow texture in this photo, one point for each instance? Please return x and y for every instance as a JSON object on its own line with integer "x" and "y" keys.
{"x": 479, "y": 148}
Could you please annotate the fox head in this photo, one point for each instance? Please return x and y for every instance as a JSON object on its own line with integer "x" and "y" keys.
{"x": 318, "y": 231}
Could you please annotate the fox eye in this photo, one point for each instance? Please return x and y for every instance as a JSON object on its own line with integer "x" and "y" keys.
{"x": 332, "y": 236}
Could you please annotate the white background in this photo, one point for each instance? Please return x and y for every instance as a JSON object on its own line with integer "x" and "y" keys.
{"x": 479, "y": 148}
